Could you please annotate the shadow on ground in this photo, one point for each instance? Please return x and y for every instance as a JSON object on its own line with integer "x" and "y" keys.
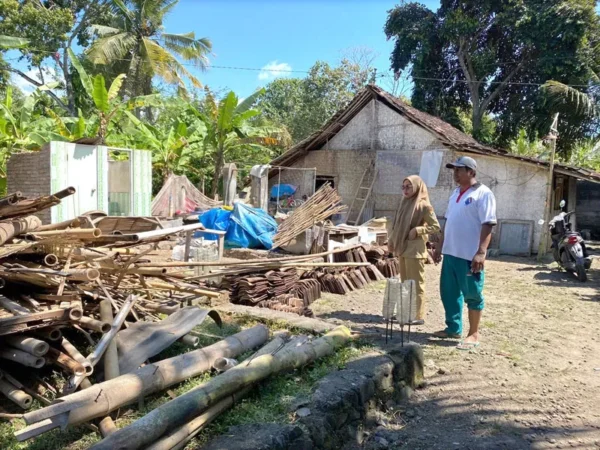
{"x": 442, "y": 422}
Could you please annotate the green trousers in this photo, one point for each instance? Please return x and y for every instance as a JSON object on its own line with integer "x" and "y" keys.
{"x": 457, "y": 286}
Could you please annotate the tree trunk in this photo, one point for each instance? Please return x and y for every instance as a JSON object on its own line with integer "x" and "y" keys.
{"x": 219, "y": 163}
{"x": 68, "y": 82}
{"x": 477, "y": 119}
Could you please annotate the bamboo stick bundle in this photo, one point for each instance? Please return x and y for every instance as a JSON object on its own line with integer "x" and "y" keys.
{"x": 317, "y": 208}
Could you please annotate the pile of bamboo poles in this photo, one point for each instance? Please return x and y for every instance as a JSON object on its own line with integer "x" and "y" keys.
{"x": 61, "y": 294}
{"x": 325, "y": 203}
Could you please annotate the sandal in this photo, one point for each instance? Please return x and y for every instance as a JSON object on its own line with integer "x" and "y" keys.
{"x": 443, "y": 334}
{"x": 467, "y": 346}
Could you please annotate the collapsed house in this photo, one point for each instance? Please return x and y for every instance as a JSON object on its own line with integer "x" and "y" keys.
{"x": 378, "y": 140}
{"x": 179, "y": 196}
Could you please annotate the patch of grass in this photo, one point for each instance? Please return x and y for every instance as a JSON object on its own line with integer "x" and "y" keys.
{"x": 513, "y": 351}
{"x": 271, "y": 401}
{"x": 489, "y": 324}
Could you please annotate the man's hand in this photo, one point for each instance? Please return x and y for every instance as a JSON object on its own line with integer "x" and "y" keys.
{"x": 478, "y": 262}
{"x": 412, "y": 234}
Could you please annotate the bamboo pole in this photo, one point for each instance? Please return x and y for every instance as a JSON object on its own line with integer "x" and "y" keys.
{"x": 94, "y": 325}
{"x": 52, "y": 334}
{"x": 111, "y": 357}
{"x": 22, "y": 357}
{"x": 71, "y": 223}
{"x": 179, "y": 437}
{"x": 189, "y": 289}
{"x": 51, "y": 260}
{"x": 28, "y": 344}
{"x": 83, "y": 274}
{"x": 111, "y": 366}
{"x": 72, "y": 351}
{"x": 65, "y": 362}
{"x": 248, "y": 261}
{"x": 15, "y": 227}
{"x": 102, "y": 398}
{"x": 76, "y": 233}
{"x": 174, "y": 413}
{"x": 15, "y": 395}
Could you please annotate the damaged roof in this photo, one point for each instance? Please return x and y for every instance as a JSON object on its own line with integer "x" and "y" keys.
{"x": 448, "y": 135}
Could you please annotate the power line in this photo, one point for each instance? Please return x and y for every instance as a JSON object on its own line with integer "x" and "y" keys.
{"x": 414, "y": 77}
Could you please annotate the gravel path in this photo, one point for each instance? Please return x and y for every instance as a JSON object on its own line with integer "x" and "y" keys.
{"x": 533, "y": 383}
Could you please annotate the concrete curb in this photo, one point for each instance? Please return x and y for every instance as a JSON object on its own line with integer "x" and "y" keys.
{"x": 338, "y": 406}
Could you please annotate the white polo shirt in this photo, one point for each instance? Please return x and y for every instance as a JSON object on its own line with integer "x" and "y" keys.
{"x": 465, "y": 214}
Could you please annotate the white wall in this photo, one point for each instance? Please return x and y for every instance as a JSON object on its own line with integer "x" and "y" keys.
{"x": 397, "y": 145}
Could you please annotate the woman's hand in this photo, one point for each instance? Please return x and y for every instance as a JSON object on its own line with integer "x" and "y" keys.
{"x": 412, "y": 234}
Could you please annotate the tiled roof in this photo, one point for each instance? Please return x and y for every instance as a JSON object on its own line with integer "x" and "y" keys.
{"x": 448, "y": 135}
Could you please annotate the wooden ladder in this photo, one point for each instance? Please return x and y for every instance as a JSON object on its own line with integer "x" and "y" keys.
{"x": 362, "y": 195}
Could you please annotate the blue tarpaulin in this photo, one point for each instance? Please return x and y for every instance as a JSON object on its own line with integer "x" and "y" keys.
{"x": 283, "y": 190}
{"x": 245, "y": 227}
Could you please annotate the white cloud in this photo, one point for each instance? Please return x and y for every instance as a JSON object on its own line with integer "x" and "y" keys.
{"x": 50, "y": 75}
{"x": 273, "y": 70}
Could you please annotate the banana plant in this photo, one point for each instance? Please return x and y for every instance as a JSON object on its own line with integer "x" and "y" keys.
{"x": 108, "y": 106}
{"x": 172, "y": 146}
{"x": 233, "y": 130}
{"x": 20, "y": 130}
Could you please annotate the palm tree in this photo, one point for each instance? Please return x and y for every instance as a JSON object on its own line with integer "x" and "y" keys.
{"x": 138, "y": 37}
{"x": 234, "y": 132}
{"x": 561, "y": 95}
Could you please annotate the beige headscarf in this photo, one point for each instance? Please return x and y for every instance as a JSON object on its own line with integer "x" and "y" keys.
{"x": 409, "y": 215}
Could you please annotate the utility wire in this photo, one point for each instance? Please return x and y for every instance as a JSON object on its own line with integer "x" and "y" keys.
{"x": 414, "y": 77}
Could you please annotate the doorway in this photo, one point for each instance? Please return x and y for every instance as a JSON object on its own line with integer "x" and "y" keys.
{"x": 119, "y": 183}
{"x": 320, "y": 180}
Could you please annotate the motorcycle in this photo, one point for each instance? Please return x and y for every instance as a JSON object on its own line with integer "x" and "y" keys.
{"x": 568, "y": 247}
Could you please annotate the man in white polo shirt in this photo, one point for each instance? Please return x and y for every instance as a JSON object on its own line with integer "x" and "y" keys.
{"x": 470, "y": 218}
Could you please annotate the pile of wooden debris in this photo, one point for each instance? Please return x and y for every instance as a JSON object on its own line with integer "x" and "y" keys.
{"x": 86, "y": 298}
{"x": 70, "y": 286}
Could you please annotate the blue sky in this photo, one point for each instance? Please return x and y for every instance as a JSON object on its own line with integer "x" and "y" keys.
{"x": 277, "y": 34}
{"x": 281, "y": 34}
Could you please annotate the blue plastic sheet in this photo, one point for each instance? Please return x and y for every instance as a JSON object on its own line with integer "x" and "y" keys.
{"x": 283, "y": 190}
{"x": 245, "y": 227}
{"x": 214, "y": 219}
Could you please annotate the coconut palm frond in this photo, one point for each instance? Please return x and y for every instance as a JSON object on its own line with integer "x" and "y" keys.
{"x": 103, "y": 30}
{"x": 165, "y": 65}
{"x": 560, "y": 95}
{"x": 111, "y": 48}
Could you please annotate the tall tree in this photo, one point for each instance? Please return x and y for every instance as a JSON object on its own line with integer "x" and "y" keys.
{"x": 491, "y": 55}
{"x": 302, "y": 105}
{"x": 137, "y": 35}
{"x": 51, "y": 29}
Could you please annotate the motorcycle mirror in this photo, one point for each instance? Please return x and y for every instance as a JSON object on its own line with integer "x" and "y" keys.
{"x": 562, "y": 203}
{"x": 541, "y": 222}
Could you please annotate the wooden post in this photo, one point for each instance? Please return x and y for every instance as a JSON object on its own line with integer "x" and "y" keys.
{"x": 553, "y": 135}
{"x": 229, "y": 183}
{"x": 221, "y": 240}
{"x": 259, "y": 190}
{"x": 188, "y": 242}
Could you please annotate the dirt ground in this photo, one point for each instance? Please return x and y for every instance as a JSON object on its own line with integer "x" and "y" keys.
{"x": 533, "y": 383}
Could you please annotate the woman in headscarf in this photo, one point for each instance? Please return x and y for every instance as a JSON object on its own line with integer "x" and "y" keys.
{"x": 414, "y": 221}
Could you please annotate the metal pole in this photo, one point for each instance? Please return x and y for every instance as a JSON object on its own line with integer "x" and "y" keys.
{"x": 553, "y": 135}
